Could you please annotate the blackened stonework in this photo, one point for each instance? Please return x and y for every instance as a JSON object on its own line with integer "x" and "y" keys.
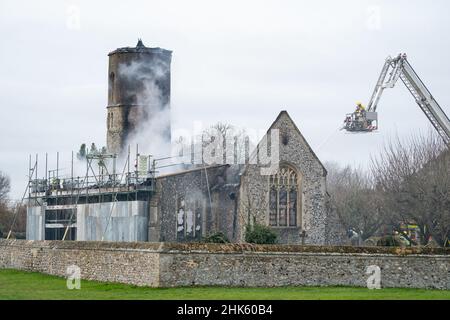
{"x": 188, "y": 212}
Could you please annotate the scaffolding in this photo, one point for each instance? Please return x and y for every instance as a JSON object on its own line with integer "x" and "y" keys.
{"x": 100, "y": 179}
{"x": 60, "y": 195}
{"x": 96, "y": 181}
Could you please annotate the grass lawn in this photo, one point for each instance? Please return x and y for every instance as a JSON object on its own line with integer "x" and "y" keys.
{"x": 30, "y": 285}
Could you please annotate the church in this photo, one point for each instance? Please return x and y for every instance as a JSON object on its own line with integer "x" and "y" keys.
{"x": 289, "y": 195}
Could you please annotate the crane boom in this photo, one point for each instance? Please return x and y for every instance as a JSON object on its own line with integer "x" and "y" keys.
{"x": 394, "y": 69}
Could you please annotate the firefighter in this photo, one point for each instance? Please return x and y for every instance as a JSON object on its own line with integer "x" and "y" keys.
{"x": 360, "y": 112}
{"x": 360, "y": 108}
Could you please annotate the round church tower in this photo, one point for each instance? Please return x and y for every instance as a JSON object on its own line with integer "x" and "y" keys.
{"x": 138, "y": 96}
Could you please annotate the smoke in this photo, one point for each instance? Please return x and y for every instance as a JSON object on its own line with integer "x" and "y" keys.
{"x": 150, "y": 119}
{"x": 150, "y": 122}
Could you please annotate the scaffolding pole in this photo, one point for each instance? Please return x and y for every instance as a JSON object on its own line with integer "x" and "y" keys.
{"x": 23, "y": 197}
{"x": 113, "y": 204}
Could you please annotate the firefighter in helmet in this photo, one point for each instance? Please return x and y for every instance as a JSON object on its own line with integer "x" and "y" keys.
{"x": 360, "y": 108}
{"x": 360, "y": 111}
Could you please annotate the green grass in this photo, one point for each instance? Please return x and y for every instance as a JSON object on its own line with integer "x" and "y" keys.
{"x": 30, "y": 285}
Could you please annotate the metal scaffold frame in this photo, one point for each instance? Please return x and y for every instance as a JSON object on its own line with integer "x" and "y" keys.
{"x": 103, "y": 185}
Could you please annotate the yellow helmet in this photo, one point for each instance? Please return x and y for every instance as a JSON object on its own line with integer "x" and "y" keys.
{"x": 359, "y": 103}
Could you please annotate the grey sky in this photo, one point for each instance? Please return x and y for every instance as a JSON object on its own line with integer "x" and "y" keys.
{"x": 233, "y": 61}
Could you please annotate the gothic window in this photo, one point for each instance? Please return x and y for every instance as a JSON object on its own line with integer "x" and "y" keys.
{"x": 283, "y": 198}
{"x": 282, "y": 206}
{"x": 273, "y": 205}
{"x": 292, "y": 208}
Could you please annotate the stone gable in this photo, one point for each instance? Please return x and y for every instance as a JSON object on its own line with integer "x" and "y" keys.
{"x": 294, "y": 152}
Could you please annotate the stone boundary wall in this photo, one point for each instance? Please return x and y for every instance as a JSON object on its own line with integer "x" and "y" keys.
{"x": 102, "y": 261}
{"x": 187, "y": 264}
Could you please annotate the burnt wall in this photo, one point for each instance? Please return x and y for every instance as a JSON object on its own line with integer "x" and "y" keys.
{"x": 185, "y": 212}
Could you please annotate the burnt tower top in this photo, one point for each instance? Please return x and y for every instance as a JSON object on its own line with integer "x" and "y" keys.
{"x": 141, "y": 48}
{"x": 138, "y": 91}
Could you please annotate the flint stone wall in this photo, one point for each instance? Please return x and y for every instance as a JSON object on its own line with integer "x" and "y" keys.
{"x": 191, "y": 264}
{"x": 295, "y": 152}
{"x": 102, "y": 261}
{"x": 192, "y": 186}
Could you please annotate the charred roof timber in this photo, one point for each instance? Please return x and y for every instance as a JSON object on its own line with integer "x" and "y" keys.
{"x": 141, "y": 48}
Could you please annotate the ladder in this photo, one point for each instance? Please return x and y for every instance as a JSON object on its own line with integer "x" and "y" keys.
{"x": 426, "y": 102}
{"x": 400, "y": 68}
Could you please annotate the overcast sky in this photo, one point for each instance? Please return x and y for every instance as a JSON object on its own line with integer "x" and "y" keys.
{"x": 239, "y": 62}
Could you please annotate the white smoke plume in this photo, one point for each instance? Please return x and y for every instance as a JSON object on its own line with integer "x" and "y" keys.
{"x": 152, "y": 114}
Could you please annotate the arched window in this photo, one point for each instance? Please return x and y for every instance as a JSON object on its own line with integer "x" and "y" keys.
{"x": 284, "y": 198}
{"x": 110, "y": 120}
{"x": 111, "y": 86}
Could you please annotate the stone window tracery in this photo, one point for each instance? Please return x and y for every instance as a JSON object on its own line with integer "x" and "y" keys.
{"x": 284, "y": 198}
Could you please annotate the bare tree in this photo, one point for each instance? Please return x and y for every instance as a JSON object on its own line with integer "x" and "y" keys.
{"x": 4, "y": 186}
{"x": 20, "y": 224}
{"x": 233, "y": 141}
{"x": 223, "y": 137}
{"x": 414, "y": 179}
{"x": 4, "y": 210}
{"x": 10, "y": 209}
{"x": 4, "y": 218}
{"x": 7, "y": 213}
{"x": 357, "y": 204}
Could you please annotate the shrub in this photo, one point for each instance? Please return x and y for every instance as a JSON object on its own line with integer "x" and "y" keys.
{"x": 217, "y": 237}
{"x": 389, "y": 241}
{"x": 260, "y": 234}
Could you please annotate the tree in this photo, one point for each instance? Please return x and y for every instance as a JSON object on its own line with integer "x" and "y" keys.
{"x": 5, "y": 221}
{"x": 5, "y": 186}
{"x": 81, "y": 155}
{"x": 233, "y": 143}
{"x": 357, "y": 204}
{"x": 4, "y": 210}
{"x": 20, "y": 225}
{"x": 7, "y": 214}
{"x": 93, "y": 148}
{"x": 414, "y": 179}
{"x": 84, "y": 152}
